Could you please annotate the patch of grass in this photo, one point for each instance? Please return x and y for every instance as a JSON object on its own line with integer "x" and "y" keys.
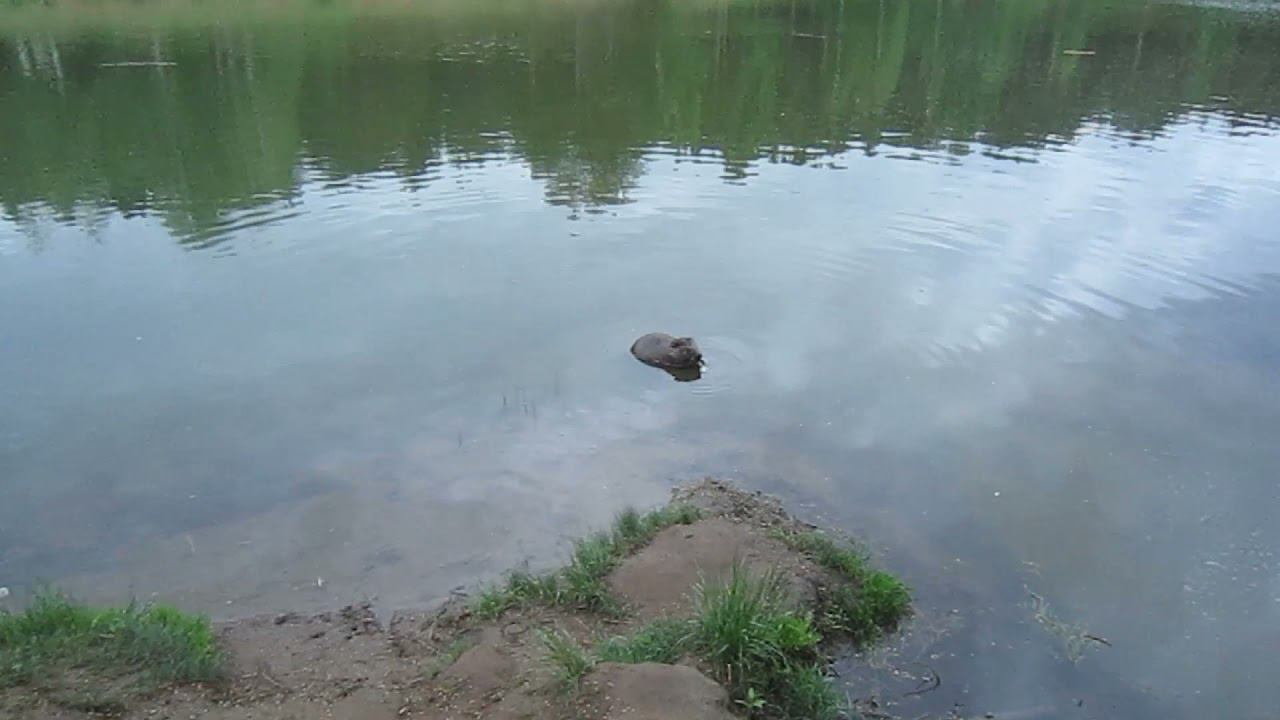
{"x": 106, "y": 654}
{"x": 803, "y": 691}
{"x": 628, "y": 527}
{"x": 867, "y": 611}
{"x": 748, "y": 633}
{"x": 885, "y": 599}
{"x": 521, "y": 588}
{"x": 737, "y": 620}
{"x": 632, "y": 530}
{"x": 491, "y": 602}
{"x": 832, "y": 555}
{"x": 868, "y": 603}
{"x": 582, "y": 583}
{"x": 545, "y": 588}
{"x": 593, "y": 557}
{"x": 662, "y": 641}
{"x": 745, "y": 629}
{"x": 571, "y": 661}
{"x": 794, "y": 634}
{"x": 762, "y": 649}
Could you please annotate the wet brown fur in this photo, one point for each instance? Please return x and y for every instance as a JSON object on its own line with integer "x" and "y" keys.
{"x": 664, "y": 351}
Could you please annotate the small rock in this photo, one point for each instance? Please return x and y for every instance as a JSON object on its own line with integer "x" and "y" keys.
{"x": 513, "y": 630}
{"x": 284, "y": 618}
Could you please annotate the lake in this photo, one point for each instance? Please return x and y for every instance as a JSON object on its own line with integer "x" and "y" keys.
{"x": 308, "y": 303}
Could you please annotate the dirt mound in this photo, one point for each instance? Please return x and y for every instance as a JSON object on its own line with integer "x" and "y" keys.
{"x": 480, "y": 671}
{"x": 658, "y": 579}
{"x": 490, "y": 670}
{"x": 652, "y": 691}
{"x": 496, "y": 677}
{"x": 720, "y": 498}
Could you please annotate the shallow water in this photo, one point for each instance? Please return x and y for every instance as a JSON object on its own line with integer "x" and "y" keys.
{"x": 334, "y": 302}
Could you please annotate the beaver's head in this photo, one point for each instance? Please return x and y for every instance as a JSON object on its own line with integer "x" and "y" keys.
{"x": 684, "y": 353}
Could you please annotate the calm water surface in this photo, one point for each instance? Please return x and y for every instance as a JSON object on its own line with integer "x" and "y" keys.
{"x": 333, "y": 302}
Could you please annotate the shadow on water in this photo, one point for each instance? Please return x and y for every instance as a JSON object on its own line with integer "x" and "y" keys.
{"x": 302, "y": 303}
{"x": 684, "y": 374}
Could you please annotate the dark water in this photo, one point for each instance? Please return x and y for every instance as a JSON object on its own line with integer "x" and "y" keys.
{"x": 336, "y": 303}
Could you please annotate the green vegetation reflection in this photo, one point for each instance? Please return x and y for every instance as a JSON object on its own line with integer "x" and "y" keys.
{"x": 221, "y": 108}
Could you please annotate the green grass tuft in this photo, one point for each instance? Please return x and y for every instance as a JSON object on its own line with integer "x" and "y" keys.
{"x": 868, "y": 604}
{"x": 885, "y": 598}
{"x": 492, "y": 602}
{"x": 763, "y": 649}
{"x": 533, "y": 587}
{"x": 748, "y": 632}
{"x": 846, "y": 561}
{"x": 737, "y": 620}
{"x": 662, "y": 641}
{"x": 582, "y": 583}
{"x": 802, "y": 691}
{"x": 629, "y": 528}
{"x": 593, "y": 558}
{"x": 793, "y": 634}
{"x": 571, "y": 661}
{"x": 521, "y": 588}
{"x": 107, "y": 653}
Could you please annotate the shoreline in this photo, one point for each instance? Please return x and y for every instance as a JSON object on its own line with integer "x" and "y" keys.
{"x": 663, "y": 616}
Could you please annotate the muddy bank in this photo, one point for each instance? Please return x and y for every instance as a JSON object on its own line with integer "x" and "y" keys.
{"x": 619, "y": 633}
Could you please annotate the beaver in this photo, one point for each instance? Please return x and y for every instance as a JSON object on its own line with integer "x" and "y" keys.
{"x": 666, "y": 352}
